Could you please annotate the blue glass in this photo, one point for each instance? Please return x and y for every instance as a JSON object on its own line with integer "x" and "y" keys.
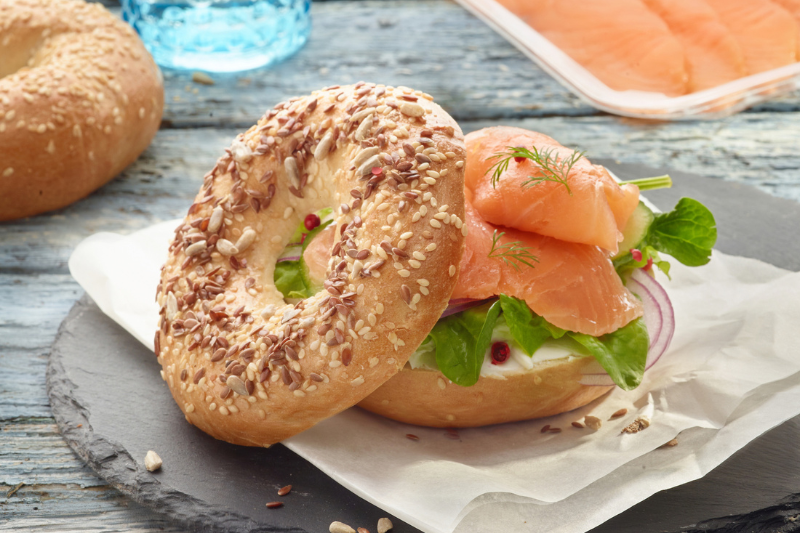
{"x": 220, "y": 35}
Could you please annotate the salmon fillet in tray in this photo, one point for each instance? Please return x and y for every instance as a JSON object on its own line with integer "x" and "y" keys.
{"x": 659, "y": 59}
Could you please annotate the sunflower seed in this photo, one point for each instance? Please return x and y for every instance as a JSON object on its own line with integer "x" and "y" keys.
{"x": 226, "y": 247}
{"x": 324, "y": 146}
{"x": 365, "y": 154}
{"x": 292, "y": 170}
{"x": 368, "y": 165}
{"x": 245, "y": 240}
{"x": 411, "y": 109}
{"x": 216, "y": 220}
{"x": 237, "y": 385}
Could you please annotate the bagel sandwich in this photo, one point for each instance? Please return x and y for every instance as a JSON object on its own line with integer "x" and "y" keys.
{"x": 556, "y": 303}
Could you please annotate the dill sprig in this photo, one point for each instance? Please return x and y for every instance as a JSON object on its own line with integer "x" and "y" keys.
{"x": 511, "y": 252}
{"x": 553, "y": 169}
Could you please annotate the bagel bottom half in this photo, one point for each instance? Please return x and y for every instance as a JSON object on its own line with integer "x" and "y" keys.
{"x": 427, "y": 398}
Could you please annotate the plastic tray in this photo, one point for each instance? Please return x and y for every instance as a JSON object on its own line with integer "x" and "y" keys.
{"x": 716, "y": 102}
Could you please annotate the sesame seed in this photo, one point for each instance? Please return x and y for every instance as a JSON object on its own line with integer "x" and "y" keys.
{"x": 7, "y": 172}
{"x": 452, "y": 270}
{"x": 404, "y": 273}
{"x": 435, "y": 223}
{"x": 459, "y": 164}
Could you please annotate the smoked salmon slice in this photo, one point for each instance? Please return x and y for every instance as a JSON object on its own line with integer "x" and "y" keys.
{"x": 713, "y": 55}
{"x": 793, "y": 7}
{"x": 766, "y": 32}
{"x": 624, "y": 44}
{"x": 594, "y": 213}
{"x": 573, "y": 286}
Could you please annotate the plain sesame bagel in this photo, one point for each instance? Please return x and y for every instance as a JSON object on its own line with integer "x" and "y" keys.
{"x": 249, "y": 368}
{"x": 427, "y": 398}
{"x": 80, "y": 99}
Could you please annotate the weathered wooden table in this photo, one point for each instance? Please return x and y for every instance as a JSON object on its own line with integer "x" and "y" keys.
{"x": 432, "y": 45}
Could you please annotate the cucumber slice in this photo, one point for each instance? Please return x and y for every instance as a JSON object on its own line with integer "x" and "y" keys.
{"x": 635, "y": 230}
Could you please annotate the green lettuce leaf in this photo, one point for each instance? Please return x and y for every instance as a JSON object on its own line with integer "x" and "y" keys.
{"x": 622, "y": 354}
{"x": 687, "y": 233}
{"x": 461, "y": 341}
{"x": 289, "y": 280}
{"x": 529, "y": 330}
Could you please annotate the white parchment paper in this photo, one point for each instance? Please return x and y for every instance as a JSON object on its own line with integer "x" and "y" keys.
{"x": 730, "y": 374}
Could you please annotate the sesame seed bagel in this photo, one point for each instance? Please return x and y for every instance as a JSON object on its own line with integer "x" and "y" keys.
{"x": 427, "y": 398}
{"x": 251, "y": 369}
{"x": 80, "y": 99}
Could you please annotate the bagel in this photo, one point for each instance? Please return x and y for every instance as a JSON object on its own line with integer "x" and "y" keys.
{"x": 427, "y": 398}
{"x": 80, "y": 99}
{"x": 247, "y": 367}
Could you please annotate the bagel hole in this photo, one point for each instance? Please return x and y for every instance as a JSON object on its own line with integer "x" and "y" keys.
{"x": 17, "y": 54}
{"x": 303, "y": 264}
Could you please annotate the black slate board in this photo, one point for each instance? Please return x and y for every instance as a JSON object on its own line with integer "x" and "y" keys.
{"x": 104, "y": 381}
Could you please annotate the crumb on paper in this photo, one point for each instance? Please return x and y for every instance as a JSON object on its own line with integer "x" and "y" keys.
{"x": 592, "y": 422}
{"x": 202, "y": 78}
{"x": 577, "y": 424}
{"x": 152, "y": 461}
{"x": 670, "y": 444}
{"x": 384, "y": 525}
{"x": 637, "y": 425}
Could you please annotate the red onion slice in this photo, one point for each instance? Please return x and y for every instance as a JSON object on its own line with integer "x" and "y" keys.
{"x": 659, "y": 318}
{"x": 288, "y": 258}
{"x": 640, "y": 284}
{"x": 462, "y": 304}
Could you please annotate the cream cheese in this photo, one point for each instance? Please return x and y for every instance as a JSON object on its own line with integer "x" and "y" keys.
{"x": 518, "y": 361}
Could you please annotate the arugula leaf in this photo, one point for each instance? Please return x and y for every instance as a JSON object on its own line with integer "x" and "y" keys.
{"x": 529, "y": 330}
{"x": 623, "y": 353}
{"x": 459, "y": 351}
{"x": 687, "y": 233}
